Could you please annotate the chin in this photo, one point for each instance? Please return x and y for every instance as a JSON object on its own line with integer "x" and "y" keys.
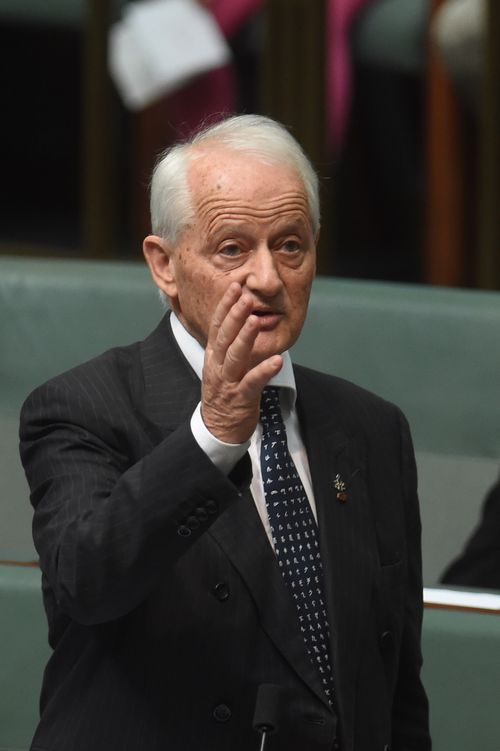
{"x": 268, "y": 347}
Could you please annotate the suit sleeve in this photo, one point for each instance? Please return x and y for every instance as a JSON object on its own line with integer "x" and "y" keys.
{"x": 107, "y": 526}
{"x": 410, "y": 708}
{"x": 479, "y": 563}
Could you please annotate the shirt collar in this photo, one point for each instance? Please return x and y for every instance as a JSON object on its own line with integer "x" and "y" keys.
{"x": 194, "y": 354}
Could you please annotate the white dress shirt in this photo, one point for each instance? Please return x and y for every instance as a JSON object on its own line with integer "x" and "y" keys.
{"x": 226, "y": 455}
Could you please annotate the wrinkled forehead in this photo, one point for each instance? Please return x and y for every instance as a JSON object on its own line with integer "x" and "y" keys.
{"x": 221, "y": 175}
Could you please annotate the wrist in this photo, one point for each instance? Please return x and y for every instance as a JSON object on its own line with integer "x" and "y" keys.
{"x": 224, "y": 454}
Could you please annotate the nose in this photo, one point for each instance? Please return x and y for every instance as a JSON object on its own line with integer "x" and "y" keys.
{"x": 263, "y": 273}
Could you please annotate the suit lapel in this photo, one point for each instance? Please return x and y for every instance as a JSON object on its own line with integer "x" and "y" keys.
{"x": 171, "y": 387}
{"x": 337, "y": 465}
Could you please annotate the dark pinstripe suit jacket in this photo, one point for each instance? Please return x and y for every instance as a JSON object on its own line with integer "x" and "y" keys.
{"x": 166, "y": 607}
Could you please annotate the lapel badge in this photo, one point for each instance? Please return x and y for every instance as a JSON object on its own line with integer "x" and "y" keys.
{"x": 341, "y": 489}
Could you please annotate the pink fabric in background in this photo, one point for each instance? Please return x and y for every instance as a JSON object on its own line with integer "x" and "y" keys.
{"x": 232, "y": 14}
{"x": 340, "y": 14}
{"x": 207, "y": 98}
{"x": 215, "y": 92}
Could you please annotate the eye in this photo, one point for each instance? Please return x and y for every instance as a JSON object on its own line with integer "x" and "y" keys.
{"x": 230, "y": 250}
{"x": 291, "y": 246}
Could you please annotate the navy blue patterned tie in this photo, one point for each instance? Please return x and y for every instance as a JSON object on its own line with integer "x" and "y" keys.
{"x": 294, "y": 534}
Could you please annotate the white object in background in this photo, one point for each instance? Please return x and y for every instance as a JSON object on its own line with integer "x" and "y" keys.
{"x": 457, "y": 598}
{"x": 459, "y": 30}
{"x": 159, "y": 45}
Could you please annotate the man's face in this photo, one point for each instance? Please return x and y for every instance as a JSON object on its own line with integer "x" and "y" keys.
{"x": 251, "y": 226}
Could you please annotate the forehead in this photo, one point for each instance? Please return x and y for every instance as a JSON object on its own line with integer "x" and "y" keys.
{"x": 221, "y": 178}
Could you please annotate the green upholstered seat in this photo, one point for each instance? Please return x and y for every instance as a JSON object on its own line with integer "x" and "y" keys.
{"x": 55, "y": 314}
{"x": 432, "y": 350}
{"x": 24, "y": 652}
{"x": 461, "y": 674}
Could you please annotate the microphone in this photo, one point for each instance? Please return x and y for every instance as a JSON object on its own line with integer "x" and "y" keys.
{"x": 268, "y": 710}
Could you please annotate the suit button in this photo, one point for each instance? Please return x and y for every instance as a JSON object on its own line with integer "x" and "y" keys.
{"x": 201, "y": 513}
{"x": 336, "y": 745}
{"x": 386, "y": 641}
{"x": 221, "y": 591}
{"x": 193, "y": 522}
{"x": 211, "y": 507}
{"x": 387, "y": 747}
{"x": 222, "y": 713}
{"x": 183, "y": 531}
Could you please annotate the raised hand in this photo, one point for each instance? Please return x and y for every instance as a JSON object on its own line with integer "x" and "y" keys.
{"x": 232, "y": 381}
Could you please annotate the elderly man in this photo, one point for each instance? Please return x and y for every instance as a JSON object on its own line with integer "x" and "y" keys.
{"x": 226, "y": 540}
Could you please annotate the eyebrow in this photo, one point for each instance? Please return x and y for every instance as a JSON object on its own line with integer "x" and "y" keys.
{"x": 230, "y": 231}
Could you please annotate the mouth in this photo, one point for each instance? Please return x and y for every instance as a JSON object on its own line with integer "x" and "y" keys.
{"x": 268, "y": 318}
{"x": 262, "y": 312}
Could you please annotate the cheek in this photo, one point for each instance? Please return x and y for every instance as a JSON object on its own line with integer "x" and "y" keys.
{"x": 191, "y": 280}
{"x": 299, "y": 287}
{"x": 198, "y": 294}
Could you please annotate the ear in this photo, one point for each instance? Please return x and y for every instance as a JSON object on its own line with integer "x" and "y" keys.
{"x": 159, "y": 257}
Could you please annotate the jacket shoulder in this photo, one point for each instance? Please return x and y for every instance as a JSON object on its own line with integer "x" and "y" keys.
{"x": 327, "y": 385}
{"x": 113, "y": 372}
{"x": 108, "y": 370}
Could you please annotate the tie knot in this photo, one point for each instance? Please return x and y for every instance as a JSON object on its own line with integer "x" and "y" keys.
{"x": 270, "y": 409}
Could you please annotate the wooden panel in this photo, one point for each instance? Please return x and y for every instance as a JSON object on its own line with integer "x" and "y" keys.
{"x": 489, "y": 240}
{"x": 151, "y": 133}
{"x": 294, "y": 69}
{"x": 444, "y": 260}
{"x": 98, "y": 167}
{"x": 293, "y": 84}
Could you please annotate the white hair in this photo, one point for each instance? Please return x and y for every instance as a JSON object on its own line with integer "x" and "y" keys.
{"x": 255, "y": 135}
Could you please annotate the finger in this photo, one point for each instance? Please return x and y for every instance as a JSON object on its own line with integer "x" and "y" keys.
{"x": 259, "y": 376}
{"x": 228, "y": 299}
{"x": 231, "y": 326}
{"x": 240, "y": 350}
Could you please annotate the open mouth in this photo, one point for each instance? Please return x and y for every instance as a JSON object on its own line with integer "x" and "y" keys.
{"x": 269, "y": 318}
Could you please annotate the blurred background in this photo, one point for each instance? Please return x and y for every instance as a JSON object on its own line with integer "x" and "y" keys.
{"x": 398, "y": 104}
{"x": 396, "y": 101}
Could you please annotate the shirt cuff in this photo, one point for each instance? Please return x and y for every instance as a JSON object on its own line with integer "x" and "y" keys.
{"x": 225, "y": 456}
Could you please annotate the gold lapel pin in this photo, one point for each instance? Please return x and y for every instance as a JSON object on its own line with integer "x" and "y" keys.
{"x": 341, "y": 489}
